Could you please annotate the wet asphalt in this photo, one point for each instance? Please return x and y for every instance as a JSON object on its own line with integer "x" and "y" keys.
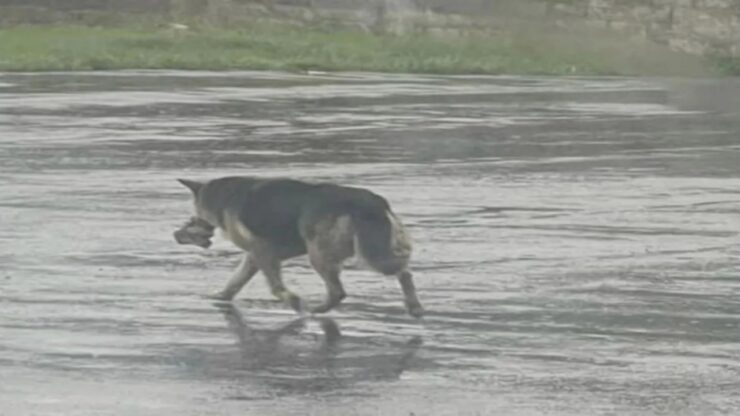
{"x": 576, "y": 240}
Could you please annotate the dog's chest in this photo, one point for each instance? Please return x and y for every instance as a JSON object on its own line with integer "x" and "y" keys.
{"x": 236, "y": 232}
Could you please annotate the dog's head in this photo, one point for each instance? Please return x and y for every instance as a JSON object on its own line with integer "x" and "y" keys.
{"x": 197, "y": 231}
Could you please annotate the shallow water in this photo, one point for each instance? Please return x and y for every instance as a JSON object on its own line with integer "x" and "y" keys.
{"x": 576, "y": 246}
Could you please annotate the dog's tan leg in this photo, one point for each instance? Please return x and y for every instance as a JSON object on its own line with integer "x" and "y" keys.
{"x": 409, "y": 294}
{"x": 243, "y": 274}
{"x": 269, "y": 263}
{"x": 329, "y": 271}
{"x": 331, "y": 244}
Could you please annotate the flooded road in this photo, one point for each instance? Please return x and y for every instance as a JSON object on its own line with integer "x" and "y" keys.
{"x": 577, "y": 246}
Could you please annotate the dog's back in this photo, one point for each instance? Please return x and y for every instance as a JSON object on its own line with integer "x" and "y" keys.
{"x": 286, "y": 213}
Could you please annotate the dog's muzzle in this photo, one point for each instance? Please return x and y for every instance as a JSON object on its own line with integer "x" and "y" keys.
{"x": 196, "y": 232}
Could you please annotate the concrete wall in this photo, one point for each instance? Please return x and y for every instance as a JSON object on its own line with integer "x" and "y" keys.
{"x": 131, "y": 6}
{"x": 701, "y": 27}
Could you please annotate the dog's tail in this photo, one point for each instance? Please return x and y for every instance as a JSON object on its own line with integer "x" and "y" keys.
{"x": 381, "y": 239}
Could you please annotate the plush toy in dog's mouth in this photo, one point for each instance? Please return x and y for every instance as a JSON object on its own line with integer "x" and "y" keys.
{"x": 196, "y": 232}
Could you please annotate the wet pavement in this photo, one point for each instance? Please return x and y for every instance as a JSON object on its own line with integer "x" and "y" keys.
{"x": 577, "y": 246}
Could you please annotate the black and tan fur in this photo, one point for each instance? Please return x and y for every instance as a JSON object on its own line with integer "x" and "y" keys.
{"x": 276, "y": 219}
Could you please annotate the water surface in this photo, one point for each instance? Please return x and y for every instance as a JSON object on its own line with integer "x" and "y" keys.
{"x": 576, "y": 245}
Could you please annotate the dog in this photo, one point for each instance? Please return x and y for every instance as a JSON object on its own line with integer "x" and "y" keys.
{"x": 277, "y": 219}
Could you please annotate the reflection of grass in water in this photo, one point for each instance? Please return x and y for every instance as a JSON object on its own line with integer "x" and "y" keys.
{"x": 290, "y": 48}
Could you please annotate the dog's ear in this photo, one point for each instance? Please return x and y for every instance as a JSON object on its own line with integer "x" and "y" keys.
{"x": 194, "y": 186}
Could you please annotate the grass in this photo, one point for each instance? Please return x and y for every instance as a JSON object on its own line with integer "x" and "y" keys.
{"x": 279, "y": 47}
{"x": 727, "y": 65}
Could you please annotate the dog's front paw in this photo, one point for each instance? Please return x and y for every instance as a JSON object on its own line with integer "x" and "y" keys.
{"x": 296, "y": 303}
{"x": 292, "y": 300}
{"x": 415, "y": 310}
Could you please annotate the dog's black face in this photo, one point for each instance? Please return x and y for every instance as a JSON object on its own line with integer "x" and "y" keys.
{"x": 196, "y": 232}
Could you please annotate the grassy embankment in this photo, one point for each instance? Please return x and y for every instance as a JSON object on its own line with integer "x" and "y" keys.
{"x": 275, "y": 47}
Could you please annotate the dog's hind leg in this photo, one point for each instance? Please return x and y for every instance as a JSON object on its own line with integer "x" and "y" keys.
{"x": 329, "y": 271}
{"x": 409, "y": 294}
{"x": 243, "y": 274}
{"x": 330, "y": 242}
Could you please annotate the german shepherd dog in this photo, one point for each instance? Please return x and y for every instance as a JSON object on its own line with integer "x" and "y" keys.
{"x": 276, "y": 219}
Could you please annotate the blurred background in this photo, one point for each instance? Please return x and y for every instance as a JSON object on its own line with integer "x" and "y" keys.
{"x": 655, "y": 37}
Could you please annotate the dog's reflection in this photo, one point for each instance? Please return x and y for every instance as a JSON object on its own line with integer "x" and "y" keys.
{"x": 290, "y": 357}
